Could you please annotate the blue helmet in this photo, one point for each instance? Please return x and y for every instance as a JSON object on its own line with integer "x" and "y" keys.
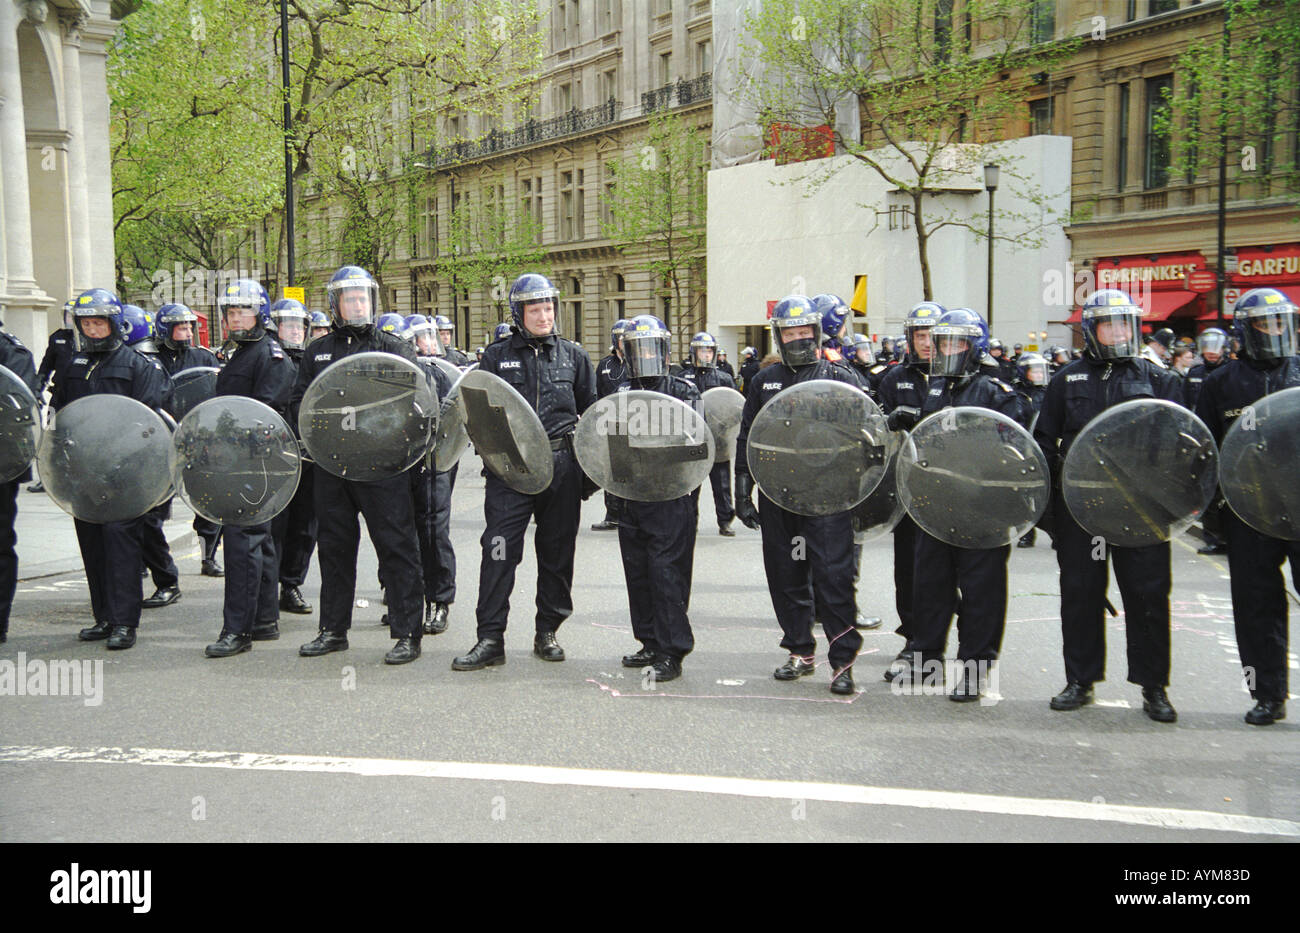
{"x": 319, "y": 319}
{"x": 137, "y": 325}
{"x": 97, "y": 302}
{"x": 391, "y": 323}
{"x": 528, "y": 288}
{"x": 923, "y": 316}
{"x": 704, "y": 341}
{"x": 1212, "y": 340}
{"x": 616, "y": 333}
{"x": 834, "y": 313}
{"x": 289, "y": 322}
{"x": 961, "y": 338}
{"x": 863, "y": 351}
{"x": 165, "y": 321}
{"x": 1122, "y": 339}
{"x": 646, "y": 345}
{"x": 1033, "y": 369}
{"x": 1265, "y": 322}
{"x": 246, "y": 293}
{"x": 354, "y": 299}
{"x": 502, "y": 331}
{"x": 790, "y": 312}
{"x": 423, "y": 332}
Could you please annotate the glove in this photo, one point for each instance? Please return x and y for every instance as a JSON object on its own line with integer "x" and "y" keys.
{"x": 745, "y": 510}
{"x": 903, "y": 418}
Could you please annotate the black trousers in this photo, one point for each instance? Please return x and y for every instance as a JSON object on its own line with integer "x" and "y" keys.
{"x": 112, "y": 558}
{"x": 1259, "y": 604}
{"x": 720, "y": 478}
{"x": 390, "y": 520}
{"x": 252, "y": 572}
{"x": 295, "y": 529}
{"x": 1144, "y": 582}
{"x": 8, "y": 550}
{"x": 940, "y": 572}
{"x": 904, "y": 558}
{"x": 431, "y": 493}
{"x": 209, "y": 533}
{"x": 153, "y": 544}
{"x": 657, "y": 542}
{"x": 801, "y": 553}
{"x": 507, "y": 514}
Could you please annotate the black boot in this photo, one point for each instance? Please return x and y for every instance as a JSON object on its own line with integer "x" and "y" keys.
{"x": 406, "y": 650}
{"x": 489, "y": 652}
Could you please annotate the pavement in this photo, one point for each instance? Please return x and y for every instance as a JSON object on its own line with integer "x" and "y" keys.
{"x": 250, "y": 748}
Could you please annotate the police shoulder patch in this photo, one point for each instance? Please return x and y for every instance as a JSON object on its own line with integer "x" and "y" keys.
{"x": 277, "y": 352}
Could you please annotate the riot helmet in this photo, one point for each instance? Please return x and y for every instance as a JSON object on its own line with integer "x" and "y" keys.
{"x": 354, "y": 299}
{"x": 916, "y": 328}
{"x": 796, "y": 329}
{"x": 647, "y": 343}
{"x": 1265, "y": 321}
{"x": 1033, "y": 369}
{"x": 1112, "y": 325}
{"x": 533, "y": 296}
{"x": 289, "y": 321}
{"x": 91, "y": 307}
{"x": 168, "y": 319}
{"x": 243, "y": 295}
{"x": 1211, "y": 345}
{"x": 960, "y": 341}
{"x": 704, "y": 351}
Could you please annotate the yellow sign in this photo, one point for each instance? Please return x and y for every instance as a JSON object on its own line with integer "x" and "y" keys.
{"x": 859, "y": 302}
{"x": 297, "y": 294}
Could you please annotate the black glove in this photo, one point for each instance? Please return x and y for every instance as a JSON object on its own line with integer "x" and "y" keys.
{"x": 903, "y": 418}
{"x": 745, "y": 510}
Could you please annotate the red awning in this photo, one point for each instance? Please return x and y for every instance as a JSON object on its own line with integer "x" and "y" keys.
{"x": 1162, "y": 305}
{"x": 1291, "y": 291}
{"x": 1075, "y": 317}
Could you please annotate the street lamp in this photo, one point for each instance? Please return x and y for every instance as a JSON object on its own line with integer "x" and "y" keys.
{"x": 991, "y": 185}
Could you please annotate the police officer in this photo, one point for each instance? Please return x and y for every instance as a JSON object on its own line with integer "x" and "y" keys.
{"x": 137, "y": 333}
{"x": 1006, "y": 369}
{"x": 748, "y": 367}
{"x": 1266, "y": 322}
{"x": 611, "y": 375}
{"x": 432, "y": 493}
{"x": 796, "y": 329}
{"x": 446, "y": 333}
{"x": 111, "y": 552}
{"x": 386, "y": 504}
{"x": 657, "y": 539}
{"x": 864, "y": 361}
{"x": 58, "y": 353}
{"x": 320, "y": 324}
{"x": 903, "y": 390}
{"x": 18, "y": 360}
{"x": 1212, "y": 345}
{"x": 701, "y": 371}
{"x": 256, "y": 367}
{"x": 501, "y": 332}
{"x": 556, "y": 377}
{"x": 1031, "y": 382}
{"x": 724, "y": 366}
{"x": 174, "y": 337}
{"x": 294, "y": 529}
{"x": 1158, "y": 347}
{"x": 941, "y": 571}
{"x": 1113, "y": 370}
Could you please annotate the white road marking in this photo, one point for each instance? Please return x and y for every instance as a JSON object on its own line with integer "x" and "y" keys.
{"x": 1117, "y": 704}
{"x": 1161, "y": 817}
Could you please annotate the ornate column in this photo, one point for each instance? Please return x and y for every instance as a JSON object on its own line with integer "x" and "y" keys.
{"x": 21, "y": 279}
{"x": 78, "y": 210}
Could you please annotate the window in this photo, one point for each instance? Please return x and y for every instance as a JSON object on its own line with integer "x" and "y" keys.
{"x": 605, "y": 16}
{"x": 942, "y": 29}
{"x": 608, "y": 85}
{"x": 1161, "y": 6}
{"x": 1130, "y": 11}
{"x": 560, "y": 25}
{"x": 1121, "y": 173}
{"x": 1040, "y": 117}
{"x": 607, "y": 198}
{"x": 1042, "y": 20}
{"x": 580, "y": 206}
{"x": 704, "y": 57}
{"x": 1156, "y": 169}
{"x": 530, "y": 201}
{"x": 453, "y": 128}
{"x": 427, "y": 236}
{"x": 564, "y": 98}
{"x": 666, "y": 68}
{"x": 566, "y": 206}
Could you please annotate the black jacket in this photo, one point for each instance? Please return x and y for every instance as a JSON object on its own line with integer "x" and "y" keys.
{"x": 554, "y": 375}
{"x": 260, "y": 370}
{"x": 120, "y": 371}
{"x": 705, "y": 379}
{"x": 332, "y": 347}
{"x": 1236, "y": 384}
{"x": 611, "y": 375}
{"x": 980, "y": 390}
{"x": 173, "y": 361}
{"x": 903, "y": 386}
{"x": 1196, "y": 376}
{"x": 58, "y": 353}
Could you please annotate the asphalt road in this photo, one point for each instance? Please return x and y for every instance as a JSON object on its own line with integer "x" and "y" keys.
{"x": 271, "y": 746}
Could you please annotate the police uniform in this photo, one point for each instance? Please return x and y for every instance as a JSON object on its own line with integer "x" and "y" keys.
{"x": 1259, "y": 599}
{"x": 294, "y": 529}
{"x": 828, "y": 538}
{"x": 431, "y": 492}
{"x": 611, "y": 375}
{"x": 173, "y": 362}
{"x": 18, "y": 359}
{"x": 657, "y": 543}
{"x": 1196, "y": 376}
{"x": 455, "y": 357}
{"x": 747, "y": 371}
{"x": 58, "y": 354}
{"x": 947, "y": 580}
{"x": 557, "y": 379}
{"x": 260, "y": 370}
{"x": 1081, "y": 390}
{"x": 111, "y": 552}
{"x": 720, "y": 476}
{"x": 386, "y": 504}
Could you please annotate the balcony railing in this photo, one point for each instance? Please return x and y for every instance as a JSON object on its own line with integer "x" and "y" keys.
{"x": 686, "y": 92}
{"x": 534, "y": 131}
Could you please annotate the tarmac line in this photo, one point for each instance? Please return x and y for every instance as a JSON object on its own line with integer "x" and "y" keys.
{"x": 1161, "y": 817}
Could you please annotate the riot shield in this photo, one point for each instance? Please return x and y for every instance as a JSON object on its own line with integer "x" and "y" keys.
{"x": 1140, "y": 472}
{"x": 451, "y": 439}
{"x": 722, "y": 410}
{"x": 236, "y": 461}
{"x": 20, "y": 426}
{"x": 369, "y": 416}
{"x": 644, "y": 446}
{"x": 973, "y": 478}
{"x": 453, "y": 372}
{"x": 506, "y": 432}
{"x": 877, "y": 514}
{"x": 1259, "y": 462}
{"x": 819, "y": 447}
{"x": 192, "y": 386}
{"x": 106, "y": 458}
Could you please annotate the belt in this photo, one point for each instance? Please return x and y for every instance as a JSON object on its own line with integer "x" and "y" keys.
{"x": 561, "y": 443}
